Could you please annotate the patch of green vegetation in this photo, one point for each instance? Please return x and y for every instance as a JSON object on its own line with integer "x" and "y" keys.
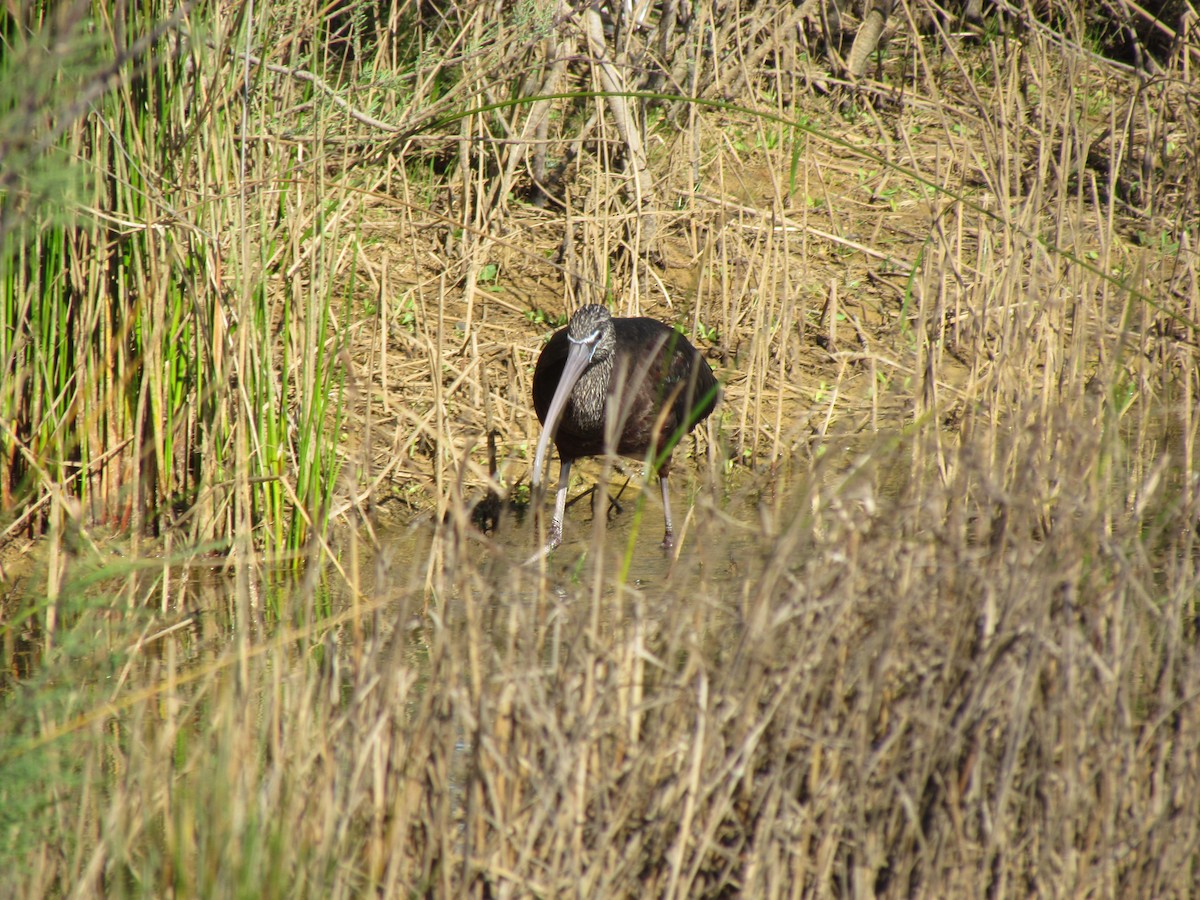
{"x": 1163, "y": 241}
{"x": 708, "y": 333}
{"x": 406, "y": 313}
{"x": 541, "y": 317}
{"x": 489, "y": 276}
{"x": 532, "y": 19}
{"x": 1097, "y": 102}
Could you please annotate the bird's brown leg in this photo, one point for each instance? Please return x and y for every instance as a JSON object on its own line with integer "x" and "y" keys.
{"x": 560, "y": 505}
{"x": 554, "y": 538}
{"x": 669, "y": 536}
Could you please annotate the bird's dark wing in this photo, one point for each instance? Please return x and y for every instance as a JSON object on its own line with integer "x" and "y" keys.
{"x": 691, "y": 381}
{"x": 548, "y": 372}
{"x": 676, "y": 390}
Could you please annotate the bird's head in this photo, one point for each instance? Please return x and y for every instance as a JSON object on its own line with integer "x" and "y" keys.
{"x": 591, "y": 333}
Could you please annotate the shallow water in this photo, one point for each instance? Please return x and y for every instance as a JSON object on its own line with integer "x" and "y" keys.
{"x": 725, "y": 523}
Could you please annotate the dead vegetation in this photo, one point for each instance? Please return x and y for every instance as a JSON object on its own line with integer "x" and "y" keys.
{"x": 932, "y": 627}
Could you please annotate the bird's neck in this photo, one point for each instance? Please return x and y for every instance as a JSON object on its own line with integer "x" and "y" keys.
{"x": 589, "y": 399}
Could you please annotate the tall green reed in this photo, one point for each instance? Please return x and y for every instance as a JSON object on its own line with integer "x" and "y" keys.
{"x": 158, "y": 362}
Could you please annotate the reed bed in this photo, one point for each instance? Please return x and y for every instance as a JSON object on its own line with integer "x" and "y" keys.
{"x": 271, "y": 276}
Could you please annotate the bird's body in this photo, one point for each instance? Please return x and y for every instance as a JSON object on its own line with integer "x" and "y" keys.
{"x": 633, "y": 387}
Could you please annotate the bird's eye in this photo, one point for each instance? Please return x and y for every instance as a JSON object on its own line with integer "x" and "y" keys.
{"x": 593, "y": 338}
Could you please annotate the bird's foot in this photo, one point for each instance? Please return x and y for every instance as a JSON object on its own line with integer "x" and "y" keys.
{"x": 553, "y": 540}
{"x": 668, "y": 541}
{"x": 614, "y": 508}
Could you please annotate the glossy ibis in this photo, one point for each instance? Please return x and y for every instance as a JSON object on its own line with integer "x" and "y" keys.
{"x": 633, "y": 387}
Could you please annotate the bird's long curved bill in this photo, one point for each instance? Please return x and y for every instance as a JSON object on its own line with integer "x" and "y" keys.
{"x": 578, "y": 358}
